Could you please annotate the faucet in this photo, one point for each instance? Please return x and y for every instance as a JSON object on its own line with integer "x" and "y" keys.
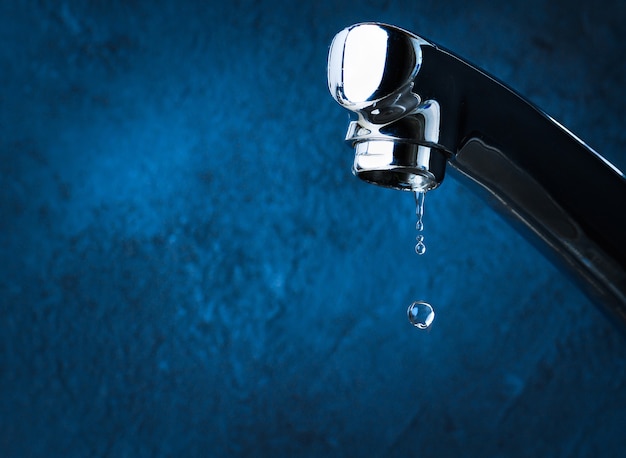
{"x": 417, "y": 108}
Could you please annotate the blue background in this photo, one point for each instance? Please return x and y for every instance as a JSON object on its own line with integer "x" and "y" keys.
{"x": 188, "y": 268}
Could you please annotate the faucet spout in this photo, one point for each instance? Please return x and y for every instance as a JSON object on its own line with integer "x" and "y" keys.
{"x": 418, "y": 108}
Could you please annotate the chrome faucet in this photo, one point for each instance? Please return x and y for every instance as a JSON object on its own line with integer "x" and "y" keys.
{"x": 418, "y": 108}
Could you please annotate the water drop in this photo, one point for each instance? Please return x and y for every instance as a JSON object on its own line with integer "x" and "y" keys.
{"x": 421, "y": 314}
{"x": 419, "y": 208}
{"x": 420, "y": 248}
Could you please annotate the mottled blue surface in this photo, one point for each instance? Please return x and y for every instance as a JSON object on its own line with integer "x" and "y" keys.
{"x": 190, "y": 269}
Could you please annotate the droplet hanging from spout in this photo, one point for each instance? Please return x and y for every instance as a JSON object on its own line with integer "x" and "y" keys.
{"x": 420, "y": 247}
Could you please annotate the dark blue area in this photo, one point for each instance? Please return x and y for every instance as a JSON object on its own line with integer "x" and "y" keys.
{"x": 190, "y": 269}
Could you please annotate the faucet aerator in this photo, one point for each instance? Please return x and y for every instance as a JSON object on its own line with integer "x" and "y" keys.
{"x": 399, "y": 165}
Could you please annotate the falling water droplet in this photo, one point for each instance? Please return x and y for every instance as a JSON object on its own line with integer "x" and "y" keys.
{"x": 421, "y": 314}
{"x": 420, "y": 248}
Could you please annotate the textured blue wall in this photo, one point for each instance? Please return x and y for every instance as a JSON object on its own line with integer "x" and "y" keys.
{"x": 190, "y": 269}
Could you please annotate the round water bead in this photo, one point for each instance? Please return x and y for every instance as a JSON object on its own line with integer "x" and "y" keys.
{"x": 421, "y": 314}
